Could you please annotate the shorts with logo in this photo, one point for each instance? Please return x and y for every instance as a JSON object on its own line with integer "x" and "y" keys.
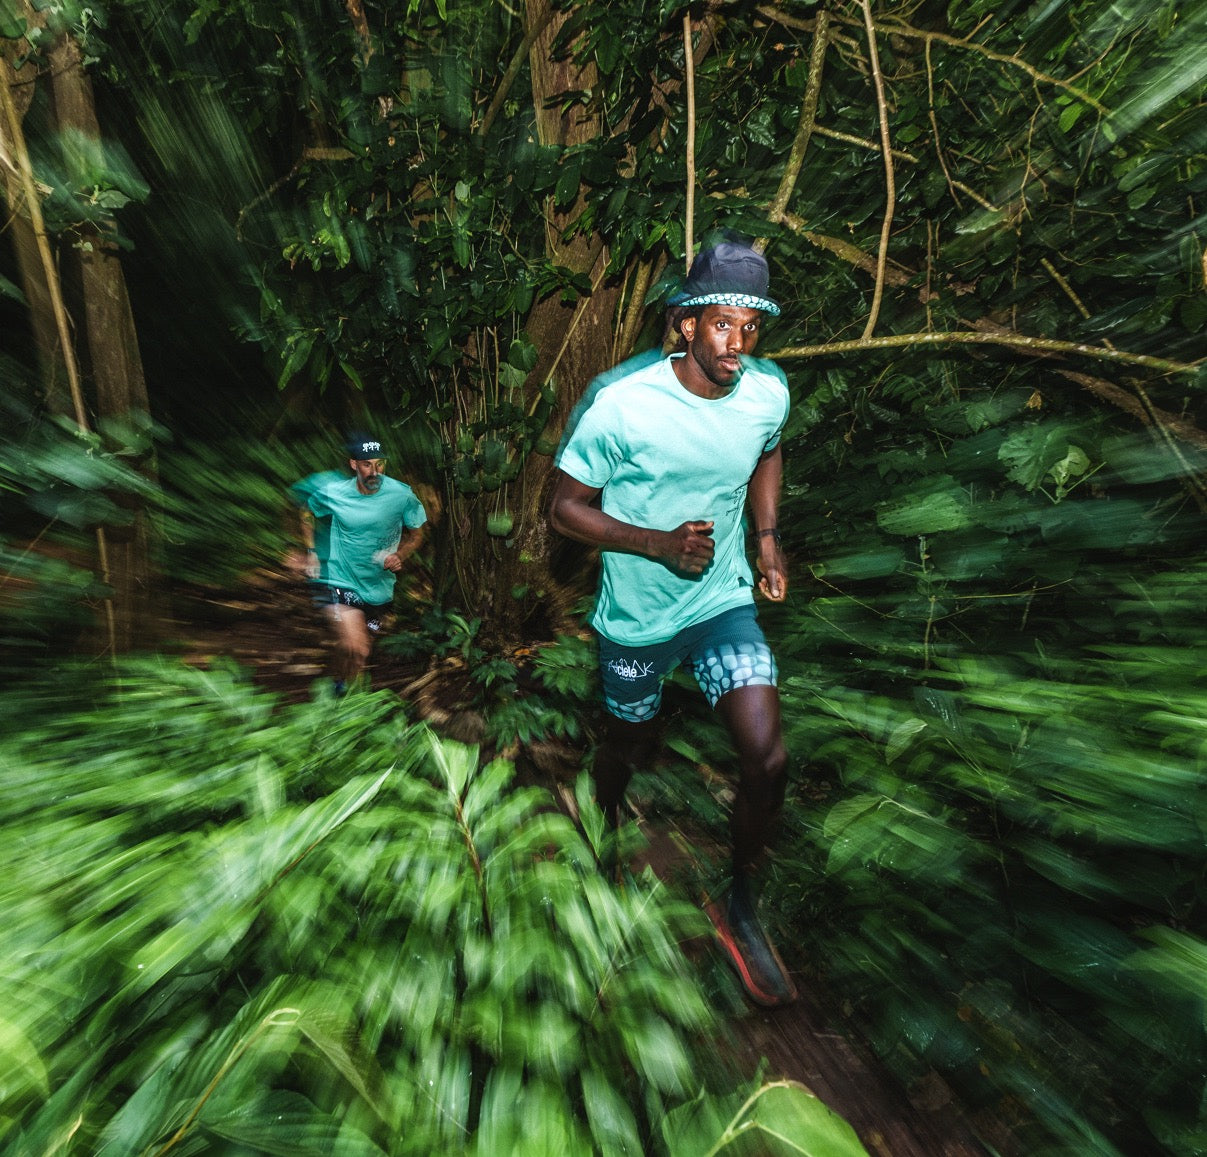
{"x": 375, "y": 613}
{"x": 724, "y": 652}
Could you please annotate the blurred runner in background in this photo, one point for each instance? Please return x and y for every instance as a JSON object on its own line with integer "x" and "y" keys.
{"x": 355, "y": 533}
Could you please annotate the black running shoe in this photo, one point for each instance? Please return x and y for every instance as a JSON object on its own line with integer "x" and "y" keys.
{"x": 751, "y": 953}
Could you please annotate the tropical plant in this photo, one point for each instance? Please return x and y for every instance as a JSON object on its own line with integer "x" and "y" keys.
{"x": 60, "y": 484}
{"x": 237, "y": 927}
{"x": 985, "y": 225}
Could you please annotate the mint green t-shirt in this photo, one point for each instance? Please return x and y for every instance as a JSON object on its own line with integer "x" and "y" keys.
{"x": 354, "y": 532}
{"x": 662, "y": 456}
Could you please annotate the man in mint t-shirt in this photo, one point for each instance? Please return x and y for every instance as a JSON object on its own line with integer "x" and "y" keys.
{"x": 357, "y": 532}
{"x": 659, "y": 473}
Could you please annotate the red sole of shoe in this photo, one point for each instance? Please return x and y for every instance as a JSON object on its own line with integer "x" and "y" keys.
{"x": 733, "y": 954}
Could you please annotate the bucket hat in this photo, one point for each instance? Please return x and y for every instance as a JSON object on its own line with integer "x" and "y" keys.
{"x": 728, "y": 273}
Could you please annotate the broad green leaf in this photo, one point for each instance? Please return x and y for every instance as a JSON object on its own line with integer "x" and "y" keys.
{"x": 902, "y": 736}
{"x": 789, "y": 1119}
{"x": 288, "y": 1125}
{"x": 928, "y": 512}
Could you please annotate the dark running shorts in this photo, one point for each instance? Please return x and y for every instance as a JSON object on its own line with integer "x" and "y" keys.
{"x": 725, "y": 652}
{"x": 375, "y": 613}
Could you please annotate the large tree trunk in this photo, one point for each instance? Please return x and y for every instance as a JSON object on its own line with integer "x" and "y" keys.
{"x": 109, "y": 356}
{"x": 89, "y": 278}
{"x": 574, "y": 343}
{"x": 52, "y": 371}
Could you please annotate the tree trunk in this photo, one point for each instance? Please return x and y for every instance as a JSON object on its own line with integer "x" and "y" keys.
{"x": 575, "y": 342}
{"x": 109, "y": 354}
{"x": 51, "y": 368}
{"x": 105, "y": 344}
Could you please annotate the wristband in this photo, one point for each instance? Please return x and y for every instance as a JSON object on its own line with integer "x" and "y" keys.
{"x": 770, "y": 531}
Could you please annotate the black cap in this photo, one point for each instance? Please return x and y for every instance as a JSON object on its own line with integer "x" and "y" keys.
{"x": 364, "y": 446}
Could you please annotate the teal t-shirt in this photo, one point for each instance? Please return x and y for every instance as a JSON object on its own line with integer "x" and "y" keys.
{"x": 354, "y": 532}
{"x": 662, "y": 456}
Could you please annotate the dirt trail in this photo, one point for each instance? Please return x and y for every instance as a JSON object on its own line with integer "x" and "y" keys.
{"x": 269, "y": 627}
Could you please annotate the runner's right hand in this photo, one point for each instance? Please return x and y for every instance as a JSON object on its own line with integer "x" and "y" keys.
{"x": 690, "y": 547}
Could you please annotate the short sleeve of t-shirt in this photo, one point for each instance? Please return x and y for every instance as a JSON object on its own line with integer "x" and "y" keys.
{"x": 596, "y": 449}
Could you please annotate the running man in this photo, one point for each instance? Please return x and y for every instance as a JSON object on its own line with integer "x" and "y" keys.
{"x": 658, "y": 474}
{"x": 356, "y": 533}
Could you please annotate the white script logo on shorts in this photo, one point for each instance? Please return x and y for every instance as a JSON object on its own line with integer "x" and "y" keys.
{"x": 627, "y": 669}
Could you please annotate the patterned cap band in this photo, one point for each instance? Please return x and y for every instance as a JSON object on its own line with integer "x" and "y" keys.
{"x": 741, "y": 300}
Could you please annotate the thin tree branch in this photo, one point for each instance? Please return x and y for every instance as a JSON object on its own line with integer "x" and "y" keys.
{"x": 356, "y": 13}
{"x": 886, "y": 227}
{"x": 33, "y": 210}
{"x": 894, "y": 274}
{"x": 1127, "y": 400}
{"x": 635, "y": 307}
{"x": 893, "y": 27}
{"x": 804, "y": 128}
{"x": 1004, "y": 338}
{"x": 900, "y": 155}
{"x": 513, "y": 70}
{"x": 934, "y": 124}
{"x": 1167, "y": 429}
{"x": 689, "y": 66}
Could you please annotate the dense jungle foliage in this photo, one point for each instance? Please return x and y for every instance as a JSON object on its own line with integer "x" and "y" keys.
{"x": 986, "y": 227}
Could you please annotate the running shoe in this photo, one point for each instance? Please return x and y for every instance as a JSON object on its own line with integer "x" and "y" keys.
{"x": 750, "y": 953}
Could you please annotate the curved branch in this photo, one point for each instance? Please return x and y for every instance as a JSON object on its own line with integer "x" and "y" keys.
{"x": 804, "y": 128}
{"x": 894, "y": 27}
{"x": 978, "y": 337}
{"x": 360, "y": 23}
{"x": 934, "y": 124}
{"x": 513, "y": 70}
{"x": 1168, "y": 424}
{"x": 689, "y": 68}
{"x": 1167, "y": 429}
{"x": 890, "y": 180}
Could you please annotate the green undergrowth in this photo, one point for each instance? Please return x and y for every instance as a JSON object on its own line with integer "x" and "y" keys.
{"x": 992, "y": 682}
{"x": 238, "y": 927}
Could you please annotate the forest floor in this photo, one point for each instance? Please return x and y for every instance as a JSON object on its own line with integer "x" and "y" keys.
{"x": 268, "y": 626}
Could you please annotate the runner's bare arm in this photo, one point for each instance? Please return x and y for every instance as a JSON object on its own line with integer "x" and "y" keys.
{"x": 301, "y": 558}
{"x": 763, "y": 495}
{"x": 574, "y": 513}
{"x": 410, "y": 542}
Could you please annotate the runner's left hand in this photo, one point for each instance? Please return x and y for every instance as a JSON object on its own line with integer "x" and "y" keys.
{"x": 774, "y": 569}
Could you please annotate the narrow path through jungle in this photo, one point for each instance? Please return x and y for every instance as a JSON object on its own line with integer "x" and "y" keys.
{"x": 267, "y": 625}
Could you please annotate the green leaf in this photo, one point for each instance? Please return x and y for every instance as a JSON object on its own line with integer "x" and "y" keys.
{"x": 789, "y": 1119}
{"x": 901, "y": 737}
{"x": 21, "y": 1069}
{"x": 928, "y": 511}
{"x": 287, "y": 1125}
{"x": 1070, "y": 116}
{"x": 613, "y": 1126}
{"x": 1030, "y": 454}
{"x": 568, "y": 182}
{"x": 298, "y": 353}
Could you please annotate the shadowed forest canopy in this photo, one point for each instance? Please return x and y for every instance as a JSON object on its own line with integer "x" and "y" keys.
{"x": 451, "y": 216}
{"x": 235, "y": 228}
